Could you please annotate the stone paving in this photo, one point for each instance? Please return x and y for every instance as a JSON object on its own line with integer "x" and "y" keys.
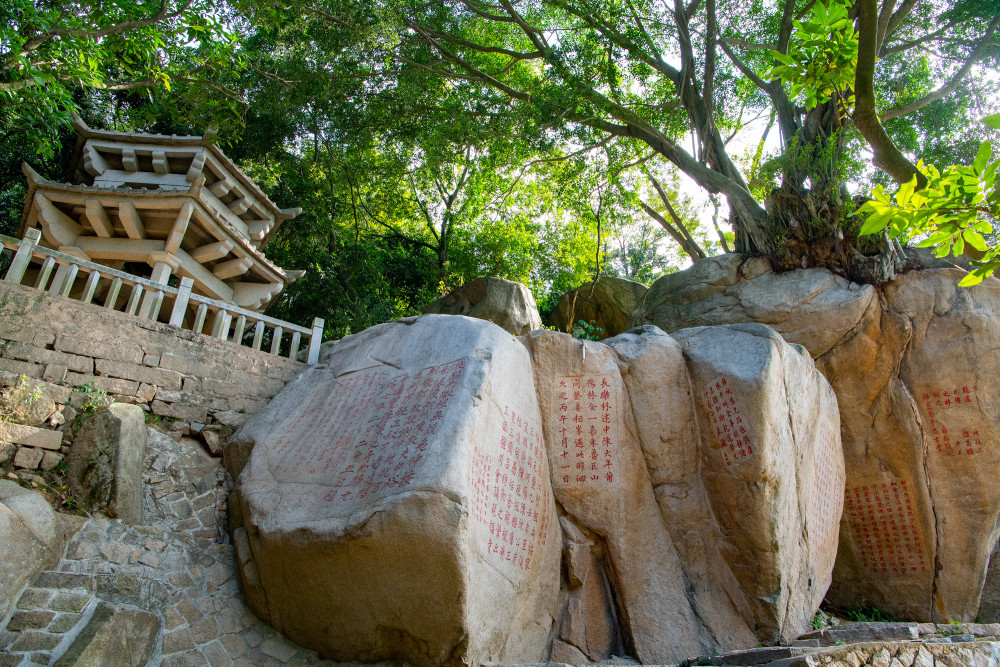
{"x": 178, "y": 566}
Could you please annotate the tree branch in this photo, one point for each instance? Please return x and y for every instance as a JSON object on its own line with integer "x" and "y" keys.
{"x": 952, "y": 85}
{"x": 886, "y": 155}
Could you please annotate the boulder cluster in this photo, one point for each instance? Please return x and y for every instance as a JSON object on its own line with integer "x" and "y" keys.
{"x": 441, "y": 492}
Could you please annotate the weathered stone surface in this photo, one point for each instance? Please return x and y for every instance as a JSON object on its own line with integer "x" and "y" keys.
{"x": 505, "y": 303}
{"x": 656, "y": 378}
{"x": 599, "y": 477}
{"x": 29, "y": 458}
{"x": 104, "y": 466}
{"x": 25, "y": 403}
{"x": 395, "y": 464}
{"x": 589, "y": 624}
{"x": 813, "y": 308}
{"x": 31, "y": 436}
{"x": 115, "y": 635}
{"x": 608, "y": 303}
{"x": 772, "y": 465}
{"x": 989, "y": 605}
{"x": 882, "y": 355}
{"x": 950, "y": 369}
{"x": 30, "y": 539}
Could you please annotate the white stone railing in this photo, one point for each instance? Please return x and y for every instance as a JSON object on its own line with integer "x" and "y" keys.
{"x": 146, "y": 298}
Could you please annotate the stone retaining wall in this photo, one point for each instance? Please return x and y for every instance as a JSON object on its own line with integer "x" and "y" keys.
{"x": 176, "y": 373}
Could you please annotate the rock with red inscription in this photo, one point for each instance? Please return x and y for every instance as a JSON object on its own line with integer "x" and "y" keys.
{"x": 772, "y": 466}
{"x": 600, "y": 480}
{"x": 395, "y": 504}
{"x": 656, "y": 379}
{"x": 918, "y": 524}
{"x": 929, "y": 512}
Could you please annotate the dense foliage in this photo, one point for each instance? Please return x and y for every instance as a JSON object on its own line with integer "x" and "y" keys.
{"x": 544, "y": 141}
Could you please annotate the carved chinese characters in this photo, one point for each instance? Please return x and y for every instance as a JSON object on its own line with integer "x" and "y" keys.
{"x": 509, "y": 493}
{"x": 768, "y": 415}
{"x": 882, "y": 520}
{"x": 827, "y": 502}
{"x": 365, "y": 433}
{"x": 585, "y": 410}
{"x": 587, "y": 430}
{"x": 942, "y": 411}
{"x": 727, "y": 422}
{"x": 396, "y": 503}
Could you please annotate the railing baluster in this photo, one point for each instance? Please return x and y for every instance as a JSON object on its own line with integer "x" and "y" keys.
{"x": 220, "y": 328}
{"x": 133, "y": 299}
{"x": 294, "y": 351}
{"x": 315, "y": 340}
{"x": 181, "y": 302}
{"x": 90, "y": 287}
{"x": 43, "y": 276}
{"x": 154, "y": 310}
{"x": 276, "y": 340}
{"x": 199, "y": 318}
{"x": 22, "y": 258}
{"x": 258, "y": 335}
{"x": 67, "y": 284}
{"x": 111, "y": 300}
{"x": 241, "y": 324}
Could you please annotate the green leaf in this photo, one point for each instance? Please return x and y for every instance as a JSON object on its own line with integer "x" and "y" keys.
{"x": 982, "y": 157}
{"x": 876, "y": 222}
{"x": 993, "y": 121}
{"x": 975, "y": 240}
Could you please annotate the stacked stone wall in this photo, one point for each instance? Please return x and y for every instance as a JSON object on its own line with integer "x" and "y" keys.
{"x": 69, "y": 352}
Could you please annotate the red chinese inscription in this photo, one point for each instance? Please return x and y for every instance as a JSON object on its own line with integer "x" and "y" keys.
{"x": 730, "y": 429}
{"x": 828, "y": 488}
{"x": 883, "y": 522}
{"x": 369, "y": 433}
{"x": 953, "y": 441}
{"x": 586, "y": 418}
{"x": 508, "y": 492}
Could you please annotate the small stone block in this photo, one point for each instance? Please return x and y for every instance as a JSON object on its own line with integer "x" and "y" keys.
{"x": 50, "y": 460}
{"x": 30, "y": 436}
{"x": 64, "y": 580}
{"x": 177, "y": 641}
{"x": 28, "y": 457}
{"x": 278, "y": 649}
{"x": 64, "y": 623}
{"x": 69, "y": 601}
{"x": 31, "y": 640}
{"x": 33, "y": 598}
{"x": 30, "y": 620}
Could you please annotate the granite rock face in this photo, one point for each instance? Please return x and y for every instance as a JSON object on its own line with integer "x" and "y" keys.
{"x": 31, "y": 538}
{"x": 773, "y": 468}
{"x": 600, "y": 480}
{"x": 913, "y": 366}
{"x": 507, "y": 304}
{"x": 416, "y": 521}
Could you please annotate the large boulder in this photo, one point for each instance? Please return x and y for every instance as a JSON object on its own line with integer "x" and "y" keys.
{"x": 773, "y": 468}
{"x": 31, "y": 539}
{"x": 505, "y": 303}
{"x": 600, "y": 480}
{"x": 393, "y": 504}
{"x": 659, "y": 388}
{"x": 919, "y": 524}
{"x": 104, "y": 465}
{"x": 607, "y": 303}
{"x": 678, "y": 539}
